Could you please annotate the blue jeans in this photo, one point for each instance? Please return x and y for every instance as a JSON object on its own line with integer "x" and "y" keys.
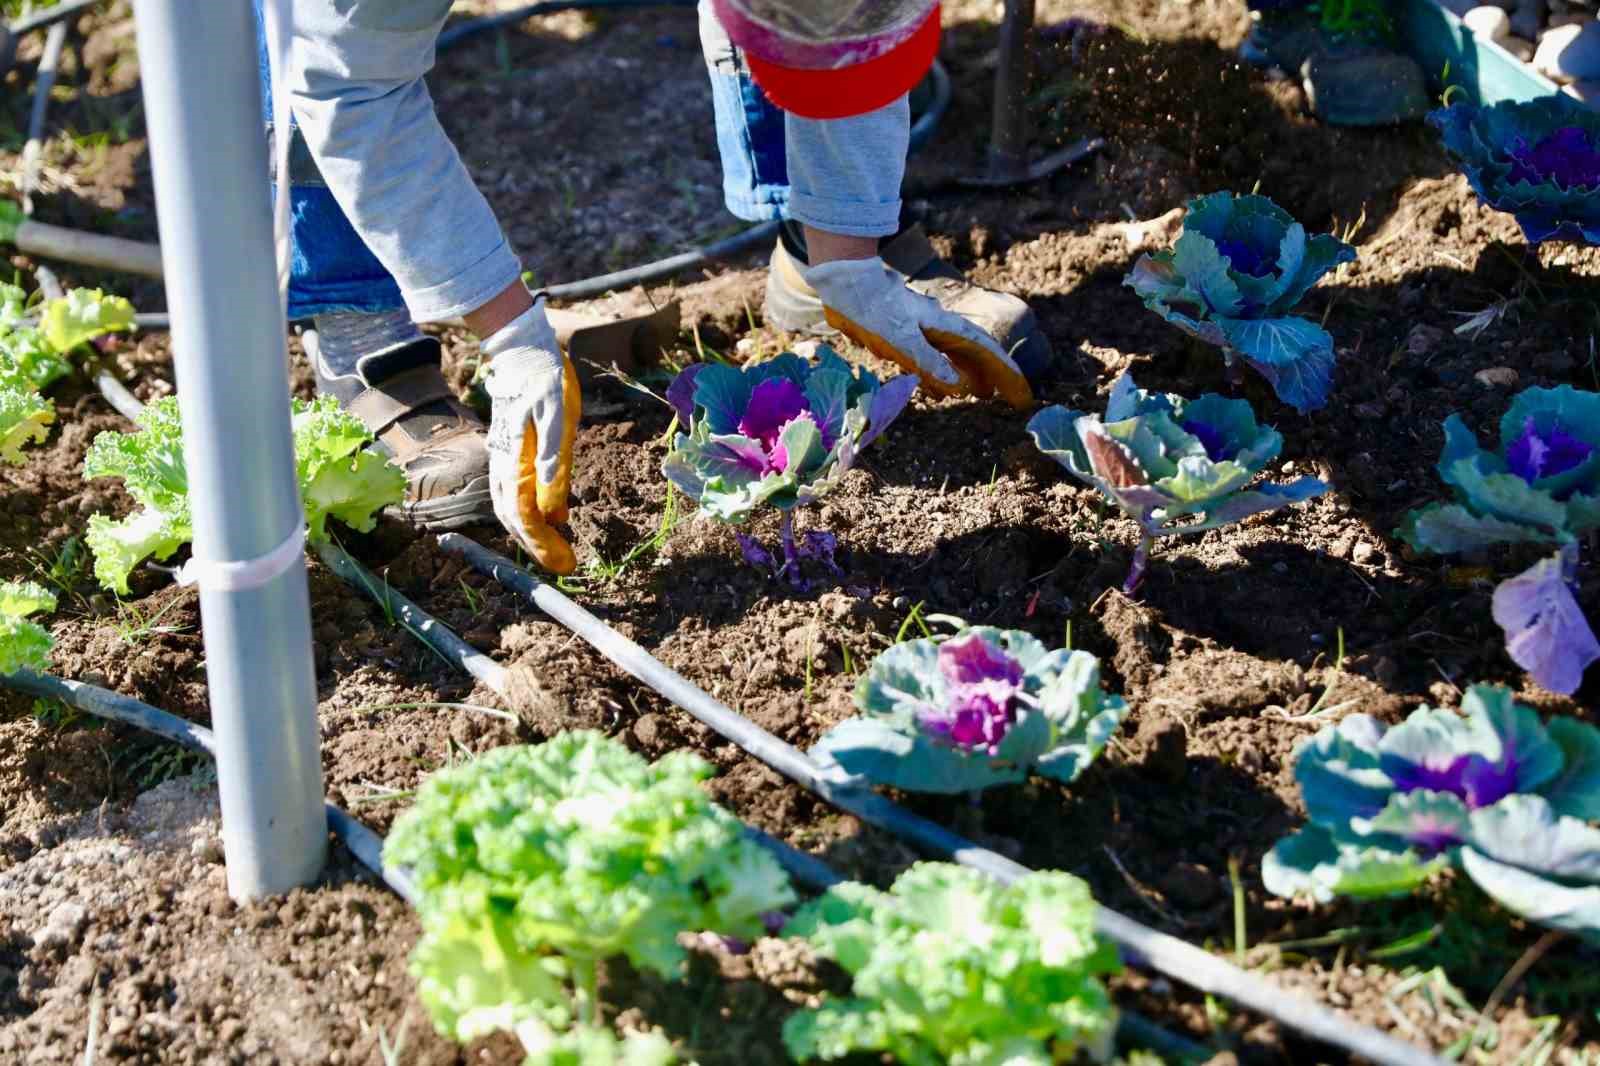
{"x": 847, "y": 173}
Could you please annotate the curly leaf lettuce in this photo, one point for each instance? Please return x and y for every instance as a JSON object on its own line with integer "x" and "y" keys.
{"x": 25, "y": 419}
{"x": 950, "y": 967}
{"x": 1495, "y": 792}
{"x": 82, "y": 315}
{"x": 535, "y": 864}
{"x": 986, "y": 707}
{"x": 1240, "y": 266}
{"x": 340, "y": 477}
{"x": 24, "y": 644}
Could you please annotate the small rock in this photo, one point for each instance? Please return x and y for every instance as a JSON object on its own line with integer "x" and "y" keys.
{"x": 1569, "y": 53}
{"x": 206, "y": 848}
{"x": 1190, "y": 885}
{"x": 1362, "y": 552}
{"x": 63, "y": 925}
{"x": 1488, "y": 23}
{"x": 1497, "y": 377}
{"x": 1422, "y": 339}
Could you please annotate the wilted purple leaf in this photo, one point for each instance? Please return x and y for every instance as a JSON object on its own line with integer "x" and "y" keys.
{"x": 680, "y": 394}
{"x": 821, "y": 545}
{"x": 1546, "y": 633}
{"x": 753, "y": 552}
{"x": 887, "y": 403}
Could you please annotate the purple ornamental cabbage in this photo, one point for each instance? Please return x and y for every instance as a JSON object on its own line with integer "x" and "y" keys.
{"x": 1538, "y": 160}
{"x": 780, "y": 433}
{"x": 1497, "y": 793}
{"x": 1541, "y": 487}
{"x": 983, "y": 708}
{"x": 1171, "y": 464}
{"x": 1232, "y": 278}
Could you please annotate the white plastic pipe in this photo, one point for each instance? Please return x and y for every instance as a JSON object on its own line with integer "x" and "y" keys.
{"x": 203, "y": 110}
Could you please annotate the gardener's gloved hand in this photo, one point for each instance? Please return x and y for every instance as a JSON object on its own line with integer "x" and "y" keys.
{"x": 870, "y": 304}
{"x": 534, "y": 422}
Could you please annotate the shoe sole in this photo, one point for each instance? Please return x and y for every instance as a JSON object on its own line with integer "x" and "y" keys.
{"x": 471, "y": 506}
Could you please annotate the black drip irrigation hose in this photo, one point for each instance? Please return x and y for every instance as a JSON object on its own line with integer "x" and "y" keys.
{"x": 1169, "y": 955}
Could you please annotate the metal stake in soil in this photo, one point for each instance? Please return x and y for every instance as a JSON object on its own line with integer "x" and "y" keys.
{"x": 203, "y": 108}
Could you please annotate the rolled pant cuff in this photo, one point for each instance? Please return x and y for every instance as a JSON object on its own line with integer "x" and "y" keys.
{"x": 848, "y": 218}
{"x": 468, "y": 290}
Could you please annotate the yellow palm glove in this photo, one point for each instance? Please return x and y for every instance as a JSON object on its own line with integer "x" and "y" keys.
{"x": 532, "y": 427}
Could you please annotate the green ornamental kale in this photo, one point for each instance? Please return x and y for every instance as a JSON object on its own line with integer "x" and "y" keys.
{"x": 24, "y": 645}
{"x": 985, "y": 707}
{"x": 1240, "y": 266}
{"x": 951, "y": 968}
{"x": 1160, "y": 458}
{"x": 535, "y": 864}
{"x": 1496, "y": 792}
{"x": 25, "y": 419}
{"x": 1541, "y": 486}
{"x": 341, "y": 477}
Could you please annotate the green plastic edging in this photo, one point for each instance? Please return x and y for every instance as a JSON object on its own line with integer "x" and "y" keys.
{"x": 1483, "y": 70}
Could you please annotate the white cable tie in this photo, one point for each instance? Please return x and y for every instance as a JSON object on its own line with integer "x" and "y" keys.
{"x": 219, "y": 575}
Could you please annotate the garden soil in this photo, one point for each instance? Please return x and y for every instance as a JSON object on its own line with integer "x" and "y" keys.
{"x": 591, "y": 136}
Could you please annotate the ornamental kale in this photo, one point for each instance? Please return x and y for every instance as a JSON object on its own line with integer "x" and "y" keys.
{"x": 951, "y": 967}
{"x": 24, "y": 644}
{"x": 1240, "y": 266}
{"x": 782, "y": 433}
{"x": 983, "y": 708}
{"x": 1539, "y": 160}
{"x": 1541, "y": 487}
{"x": 340, "y": 477}
{"x": 1497, "y": 793}
{"x": 533, "y": 865}
{"x": 1161, "y": 457}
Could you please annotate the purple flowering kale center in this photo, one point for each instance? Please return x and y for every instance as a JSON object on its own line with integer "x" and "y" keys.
{"x": 1212, "y": 438}
{"x": 774, "y": 404}
{"x": 982, "y": 683}
{"x": 1475, "y": 779}
{"x": 1566, "y": 157}
{"x": 1535, "y": 455}
{"x": 1246, "y": 258}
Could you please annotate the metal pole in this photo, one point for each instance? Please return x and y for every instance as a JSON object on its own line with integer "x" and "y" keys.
{"x": 1008, "y": 143}
{"x": 209, "y": 158}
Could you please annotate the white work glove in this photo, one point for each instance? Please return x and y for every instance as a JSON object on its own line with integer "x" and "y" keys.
{"x": 532, "y": 427}
{"x": 872, "y": 305}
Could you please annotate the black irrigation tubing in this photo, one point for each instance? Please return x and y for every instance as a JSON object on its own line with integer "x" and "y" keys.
{"x": 1169, "y": 955}
{"x": 805, "y": 868}
{"x": 362, "y": 842}
{"x": 367, "y": 846}
{"x": 443, "y": 641}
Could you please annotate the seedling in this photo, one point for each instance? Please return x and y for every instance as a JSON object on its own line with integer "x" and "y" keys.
{"x": 985, "y": 707}
{"x": 1161, "y": 458}
{"x": 1540, "y": 486}
{"x": 1497, "y": 793}
{"x": 1240, "y": 266}
{"x": 781, "y": 433}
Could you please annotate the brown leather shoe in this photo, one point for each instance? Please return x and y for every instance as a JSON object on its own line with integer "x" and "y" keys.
{"x": 402, "y": 398}
{"x": 793, "y": 306}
